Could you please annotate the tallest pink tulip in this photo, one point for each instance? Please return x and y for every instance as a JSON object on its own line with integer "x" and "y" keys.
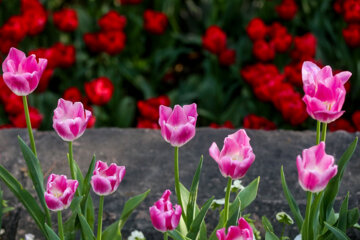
{"x": 178, "y": 125}
{"x": 22, "y": 74}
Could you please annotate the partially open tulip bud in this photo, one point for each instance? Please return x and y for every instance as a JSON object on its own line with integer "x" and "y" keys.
{"x": 178, "y": 125}
{"x": 106, "y": 179}
{"x": 22, "y": 74}
{"x": 70, "y": 119}
{"x": 324, "y": 93}
{"x": 243, "y": 231}
{"x": 163, "y": 216}
{"x": 59, "y": 192}
{"x": 315, "y": 168}
{"x": 236, "y": 155}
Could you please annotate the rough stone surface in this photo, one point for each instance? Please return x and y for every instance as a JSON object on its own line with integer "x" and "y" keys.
{"x": 149, "y": 165}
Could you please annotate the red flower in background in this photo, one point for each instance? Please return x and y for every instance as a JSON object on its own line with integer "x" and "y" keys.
{"x": 155, "y": 22}
{"x": 351, "y": 10}
{"x": 227, "y": 124}
{"x": 293, "y": 74}
{"x": 73, "y": 94}
{"x": 282, "y": 42}
{"x": 112, "y": 42}
{"x": 214, "y": 40}
{"x": 287, "y": 9}
{"x": 112, "y": 21}
{"x": 149, "y": 111}
{"x": 35, "y": 118}
{"x": 253, "y": 121}
{"x": 256, "y": 29}
{"x": 304, "y": 47}
{"x": 91, "y": 122}
{"x": 227, "y": 57}
{"x": 35, "y": 17}
{"x": 341, "y": 124}
{"x": 13, "y": 104}
{"x": 66, "y": 19}
{"x": 15, "y": 28}
{"x": 352, "y": 35}
{"x": 44, "y": 80}
{"x": 263, "y": 50}
{"x": 356, "y": 119}
{"x": 92, "y": 42}
{"x": 66, "y": 53}
{"x": 99, "y": 91}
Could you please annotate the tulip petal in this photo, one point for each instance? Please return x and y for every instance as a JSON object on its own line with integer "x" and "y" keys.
{"x": 343, "y": 77}
{"x": 17, "y": 83}
{"x": 100, "y": 185}
{"x": 52, "y": 202}
{"x": 177, "y": 117}
{"x": 191, "y": 110}
{"x": 164, "y": 114}
{"x": 16, "y": 56}
{"x": 214, "y": 151}
{"x": 221, "y": 234}
{"x": 182, "y": 134}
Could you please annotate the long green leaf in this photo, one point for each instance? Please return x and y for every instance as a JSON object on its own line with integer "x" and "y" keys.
{"x": 86, "y": 188}
{"x": 248, "y": 194}
{"x": 176, "y": 235}
{"x": 71, "y": 226}
{"x": 352, "y": 217}
{"x": 86, "y": 229}
{"x": 291, "y": 201}
{"x": 90, "y": 212}
{"x": 25, "y": 198}
{"x": 51, "y": 233}
{"x": 337, "y": 232}
{"x": 195, "y": 226}
{"x": 342, "y": 221}
{"x": 191, "y": 206}
{"x": 112, "y": 232}
{"x": 333, "y": 186}
{"x": 35, "y": 171}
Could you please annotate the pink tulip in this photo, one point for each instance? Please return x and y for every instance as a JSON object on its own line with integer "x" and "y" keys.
{"x": 324, "y": 93}
{"x": 315, "y": 168}
{"x": 178, "y": 125}
{"x": 106, "y": 180}
{"x": 22, "y": 74}
{"x": 163, "y": 216}
{"x": 243, "y": 231}
{"x": 235, "y": 157}
{"x": 59, "y": 192}
{"x": 70, "y": 119}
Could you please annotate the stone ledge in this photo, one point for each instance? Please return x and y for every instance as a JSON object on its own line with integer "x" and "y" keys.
{"x": 149, "y": 165}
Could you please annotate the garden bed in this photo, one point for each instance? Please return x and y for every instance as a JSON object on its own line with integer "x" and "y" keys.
{"x": 149, "y": 165}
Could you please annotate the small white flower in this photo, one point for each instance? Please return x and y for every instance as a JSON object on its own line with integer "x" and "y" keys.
{"x": 29, "y": 236}
{"x": 219, "y": 201}
{"x": 136, "y": 235}
{"x": 2, "y": 231}
{"x": 236, "y": 186}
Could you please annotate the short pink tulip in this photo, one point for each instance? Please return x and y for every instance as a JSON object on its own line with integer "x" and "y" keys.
{"x": 242, "y": 232}
{"x": 22, "y": 74}
{"x": 324, "y": 93}
{"x": 70, "y": 119}
{"x": 163, "y": 216}
{"x": 178, "y": 125}
{"x": 236, "y": 155}
{"x": 315, "y": 168}
{"x": 106, "y": 180}
{"x": 59, "y": 192}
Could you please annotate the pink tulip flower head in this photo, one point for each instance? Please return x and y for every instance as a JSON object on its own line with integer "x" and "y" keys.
{"x": 315, "y": 168}
{"x": 241, "y": 232}
{"x": 106, "y": 179}
{"x": 324, "y": 93}
{"x": 22, "y": 74}
{"x": 163, "y": 216}
{"x": 178, "y": 125}
{"x": 70, "y": 119}
{"x": 59, "y": 192}
{"x": 236, "y": 155}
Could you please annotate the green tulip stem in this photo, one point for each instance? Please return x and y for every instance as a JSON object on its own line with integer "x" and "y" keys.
{"x": 177, "y": 181}
{"x": 100, "y": 214}
{"x": 305, "y": 230}
{"x": 28, "y": 123}
{"x": 60, "y": 225}
{"x": 227, "y": 197}
{"x": 323, "y": 132}
{"x": 318, "y": 127}
{"x": 71, "y": 161}
{"x": 165, "y": 236}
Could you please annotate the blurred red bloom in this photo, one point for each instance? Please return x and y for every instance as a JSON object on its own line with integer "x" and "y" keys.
{"x": 36, "y": 20}
{"x": 356, "y": 119}
{"x": 112, "y": 42}
{"x": 6, "y": 125}
{"x": 35, "y": 118}
{"x": 146, "y": 123}
{"x": 282, "y": 43}
{"x": 92, "y": 42}
{"x": 112, "y": 21}
{"x": 293, "y": 109}
{"x": 44, "y": 80}
{"x": 99, "y": 91}
{"x": 304, "y": 47}
{"x": 263, "y": 50}
{"x": 287, "y": 9}
{"x": 341, "y": 124}
{"x": 149, "y": 109}
{"x": 352, "y": 35}
{"x": 227, "y": 124}
{"x": 155, "y": 22}
{"x": 227, "y": 57}
{"x": 91, "y": 122}
{"x": 293, "y": 74}
{"x": 276, "y": 29}
{"x": 13, "y": 104}
{"x": 256, "y": 29}
{"x": 14, "y": 28}
{"x": 351, "y": 10}
{"x": 5, "y": 92}
{"x": 66, "y": 53}
{"x": 72, "y": 94}
{"x": 66, "y": 19}
{"x": 214, "y": 40}
{"x": 253, "y": 121}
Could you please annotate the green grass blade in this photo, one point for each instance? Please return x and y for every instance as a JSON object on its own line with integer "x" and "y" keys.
{"x": 51, "y": 233}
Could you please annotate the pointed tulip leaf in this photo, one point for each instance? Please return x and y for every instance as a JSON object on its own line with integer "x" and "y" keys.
{"x": 176, "y": 235}
{"x": 248, "y": 194}
{"x": 85, "y": 228}
{"x": 51, "y": 233}
{"x": 337, "y": 232}
{"x": 342, "y": 220}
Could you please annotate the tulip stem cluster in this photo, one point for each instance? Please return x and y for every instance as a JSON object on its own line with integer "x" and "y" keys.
{"x": 177, "y": 179}
{"x": 28, "y": 124}
{"x": 227, "y": 197}
{"x": 60, "y": 225}
{"x": 100, "y": 214}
